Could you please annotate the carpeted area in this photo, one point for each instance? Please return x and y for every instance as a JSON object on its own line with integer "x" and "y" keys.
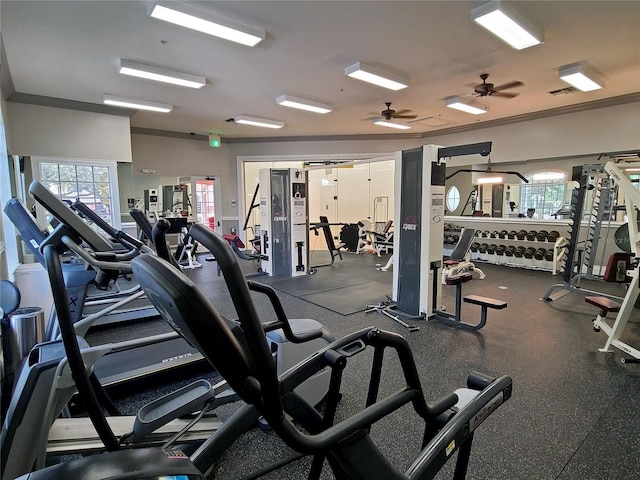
{"x": 573, "y": 414}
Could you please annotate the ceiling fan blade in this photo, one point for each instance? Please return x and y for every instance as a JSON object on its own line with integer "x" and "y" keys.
{"x": 509, "y": 85}
{"x": 504, "y": 94}
{"x": 402, "y": 111}
{"x": 372, "y": 118}
{"x": 405, "y": 116}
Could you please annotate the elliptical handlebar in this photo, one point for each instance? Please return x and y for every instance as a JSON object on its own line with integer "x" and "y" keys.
{"x": 122, "y": 237}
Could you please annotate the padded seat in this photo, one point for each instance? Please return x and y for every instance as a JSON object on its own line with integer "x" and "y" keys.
{"x": 486, "y": 302}
{"x": 606, "y": 305}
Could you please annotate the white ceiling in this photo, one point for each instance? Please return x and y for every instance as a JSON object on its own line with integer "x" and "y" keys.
{"x": 70, "y": 50}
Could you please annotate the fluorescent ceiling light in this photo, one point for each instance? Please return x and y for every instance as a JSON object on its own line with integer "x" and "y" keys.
{"x": 504, "y": 22}
{"x": 387, "y": 123}
{"x": 206, "y": 21}
{"x": 257, "y": 122}
{"x": 549, "y": 176}
{"x": 632, "y": 169}
{"x": 140, "y": 70}
{"x": 581, "y": 76}
{"x": 489, "y": 180}
{"x": 377, "y": 76}
{"x": 136, "y": 104}
{"x": 458, "y": 104}
{"x": 302, "y": 104}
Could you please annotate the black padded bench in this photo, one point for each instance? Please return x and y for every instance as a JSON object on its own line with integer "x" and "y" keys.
{"x": 485, "y": 303}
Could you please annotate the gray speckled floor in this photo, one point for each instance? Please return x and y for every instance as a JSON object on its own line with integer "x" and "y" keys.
{"x": 574, "y": 411}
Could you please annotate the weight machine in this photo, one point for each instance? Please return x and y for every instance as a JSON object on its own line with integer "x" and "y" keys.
{"x": 284, "y": 235}
{"x": 419, "y": 217}
{"x": 614, "y": 332}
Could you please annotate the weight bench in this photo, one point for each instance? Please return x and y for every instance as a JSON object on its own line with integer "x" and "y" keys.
{"x": 460, "y": 262}
{"x": 454, "y": 319}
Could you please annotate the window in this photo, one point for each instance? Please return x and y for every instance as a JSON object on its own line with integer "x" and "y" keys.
{"x": 94, "y": 183}
{"x": 453, "y": 199}
{"x": 544, "y": 193}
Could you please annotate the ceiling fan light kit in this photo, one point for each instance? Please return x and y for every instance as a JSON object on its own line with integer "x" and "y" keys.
{"x": 149, "y": 72}
{"x": 458, "y": 103}
{"x": 302, "y": 104}
{"x": 505, "y": 22}
{"x": 376, "y": 76}
{"x": 126, "y": 102}
{"x": 581, "y": 76}
{"x": 206, "y": 21}
{"x": 257, "y": 122}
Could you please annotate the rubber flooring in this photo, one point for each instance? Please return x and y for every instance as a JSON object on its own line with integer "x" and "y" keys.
{"x": 574, "y": 410}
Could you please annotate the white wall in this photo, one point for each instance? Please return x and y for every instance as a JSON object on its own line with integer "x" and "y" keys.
{"x": 60, "y": 133}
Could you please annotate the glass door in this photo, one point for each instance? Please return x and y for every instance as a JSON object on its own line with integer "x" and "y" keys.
{"x": 204, "y": 188}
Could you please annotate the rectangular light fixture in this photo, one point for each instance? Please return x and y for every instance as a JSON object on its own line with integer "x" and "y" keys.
{"x": 505, "y": 22}
{"x": 377, "y": 76}
{"x": 632, "y": 169}
{"x": 149, "y": 72}
{"x": 302, "y": 104}
{"x": 581, "y": 76}
{"x": 485, "y": 180}
{"x": 387, "y": 123}
{"x": 205, "y": 21}
{"x": 458, "y": 104}
{"x": 549, "y": 176}
{"x": 136, "y": 104}
{"x": 257, "y": 122}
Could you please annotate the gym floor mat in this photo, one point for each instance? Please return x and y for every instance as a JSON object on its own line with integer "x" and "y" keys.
{"x": 350, "y": 299}
{"x": 309, "y": 284}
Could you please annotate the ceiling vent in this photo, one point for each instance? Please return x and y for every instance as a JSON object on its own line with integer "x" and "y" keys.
{"x": 563, "y": 91}
{"x": 432, "y": 122}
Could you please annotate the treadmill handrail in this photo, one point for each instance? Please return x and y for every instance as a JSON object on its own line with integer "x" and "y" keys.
{"x": 123, "y": 267}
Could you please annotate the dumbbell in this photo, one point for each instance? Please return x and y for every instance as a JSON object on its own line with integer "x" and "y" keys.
{"x": 508, "y": 252}
{"x": 494, "y": 234}
{"x": 475, "y": 246}
{"x": 542, "y": 235}
{"x": 553, "y": 236}
{"x": 540, "y": 253}
{"x": 519, "y": 251}
{"x": 531, "y": 235}
{"x": 503, "y": 234}
{"x": 528, "y": 253}
{"x": 512, "y": 235}
{"x": 455, "y": 239}
{"x": 478, "y": 233}
{"x": 491, "y": 249}
{"x": 500, "y": 250}
{"x": 548, "y": 256}
{"x": 521, "y": 235}
{"x": 483, "y": 248}
{"x": 486, "y": 234}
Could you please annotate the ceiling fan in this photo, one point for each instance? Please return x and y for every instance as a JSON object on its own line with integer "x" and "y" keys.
{"x": 389, "y": 113}
{"x": 485, "y": 89}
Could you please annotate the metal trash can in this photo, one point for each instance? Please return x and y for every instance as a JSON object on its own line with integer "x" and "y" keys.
{"x": 24, "y": 328}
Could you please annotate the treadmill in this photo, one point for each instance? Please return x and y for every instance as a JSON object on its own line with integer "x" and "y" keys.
{"x": 130, "y": 361}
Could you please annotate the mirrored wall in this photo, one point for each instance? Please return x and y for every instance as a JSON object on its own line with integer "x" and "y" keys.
{"x": 345, "y": 193}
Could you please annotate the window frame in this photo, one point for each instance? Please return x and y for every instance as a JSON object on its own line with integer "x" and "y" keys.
{"x": 112, "y": 167}
{"x": 526, "y": 191}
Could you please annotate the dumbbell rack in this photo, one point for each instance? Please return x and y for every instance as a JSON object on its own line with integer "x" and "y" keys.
{"x": 524, "y": 249}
